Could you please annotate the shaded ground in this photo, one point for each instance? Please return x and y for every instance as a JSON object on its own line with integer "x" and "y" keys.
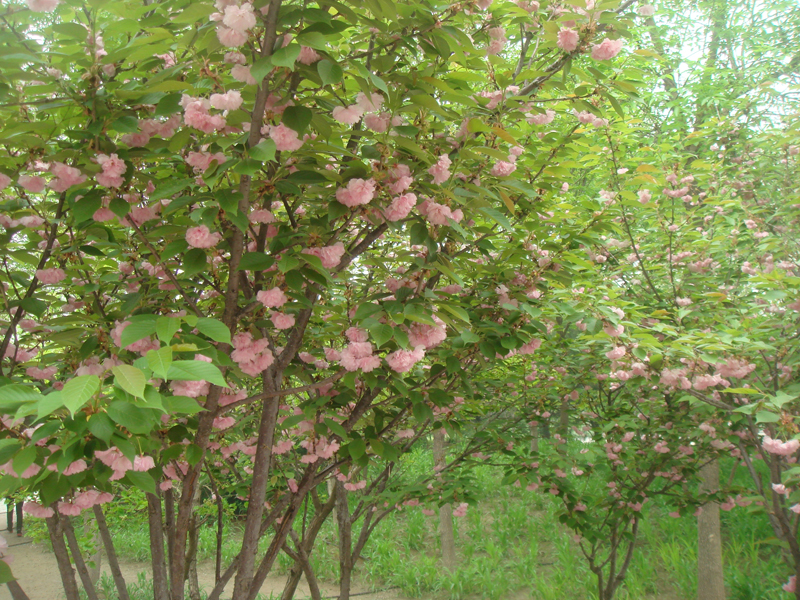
{"x": 37, "y": 573}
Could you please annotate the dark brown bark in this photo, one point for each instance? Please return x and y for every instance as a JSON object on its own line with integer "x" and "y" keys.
{"x": 62, "y": 558}
{"x": 345, "y": 527}
{"x": 77, "y": 556}
{"x": 161, "y": 588}
{"x": 17, "y": 593}
{"x": 710, "y": 582}
{"x": 446, "y": 535}
{"x": 169, "y": 523}
{"x": 111, "y": 553}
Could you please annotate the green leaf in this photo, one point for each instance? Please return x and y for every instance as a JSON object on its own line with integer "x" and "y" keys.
{"x": 764, "y": 416}
{"x": 78, "y": 391}
{"x": 159, "y": 361}
{"x": 102, "y": 427}
{"x": 142, "y": 481}
{"x": 49, "y": 403}
{"x": 264, "y": 151}
{"x": 196, "y": 370}
{"x": 286, "y": 57}
{"x": 140, "y": 327}
{"x": 130, "y": 379}
{"x": 255, "y": 261}
{"x": 381, "y": 334}
{"x": 194, "y": 261}
{"x": 357, "y": 448}
{"x": 134, "y": 419}
{"x": 167, "y": 327}
{"x": 8, "y": 447}
{"x": 329, "y": 72}
{"x": 193, "y": 454}
{"x": 297, "y": 118}
{"x": 214, "y": 329}
{"x": 497, "y": 216}
{"x": 181, "y": 405}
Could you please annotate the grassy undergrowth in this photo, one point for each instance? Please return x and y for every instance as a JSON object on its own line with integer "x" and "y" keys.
{"x": 511, "y": 546}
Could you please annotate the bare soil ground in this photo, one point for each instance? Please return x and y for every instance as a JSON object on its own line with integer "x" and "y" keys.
{"x": 36, "y": 570}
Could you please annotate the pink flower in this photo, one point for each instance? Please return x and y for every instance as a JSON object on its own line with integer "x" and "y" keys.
{"x": 68, "y": 509}
{"x": 378, "y": 123}
{"x": 440, "y": 171}
{"x": 242, "y": 73}
{"x": 779, "y": 488}
{"x": 429, "y": 336}
{"x": 239, "y": 18}
{"x": 330, "y": 256}
{"x": 231, "y": 100}
{"x": 32, "y": 183}
{"x": 273, "y": 298}
{"x": 645, "y": 196}
{"x": 223, "y": 422}
{"x": 358, "y": 355}
{"x": 568, "y": 39}
{"x": 282, "y": 320}
{"x": 348, "y": 116}
{"x": 261, "y": 216}
{"x": 77, "y": 466}
{"x": 502, "y": 168}
{"x": 136, "y": 140}
{"x": 35, "y": 509}
{"x": 402, "y": 361}
{"x": 113, "y": 168}
{"x": 252, "y": 356}
{"x": 143, "y": 463}
{"x": 43, "y": 6}
{"x": 791, "y": 585}
{"x": 356, "y": 334}
{"x": 230, "y": 38}
{"x": 460, "y": 510}
{"x": 498, "y": 40}
{"x": 371, "y": 103}
{"x": 5, "y": 181}
{"x": 201, "y": 237}
{"x": 285, "y": 139}
{"x": 357, "y": 192}
{"x": 50, "y": 276}
{"x": 308, "y": 55}
{"x": 400, "y": 207}
{"x": 647, "y": 10}
{"x": 65, "y": 177}
{"x": 607, "y": 49}
{"x": 780, "y": 448}
{"x": 542, "y": 119}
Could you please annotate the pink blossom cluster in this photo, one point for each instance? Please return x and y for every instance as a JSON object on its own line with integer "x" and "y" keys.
{"x": 196, "y": 114}
{"x": 402, "y": 361}
{"x": 357, "y": 192}
{"x": 113, "y": 167}
{"x": 428, "y": 336}
{"x": 252, "y": 356}
{"x": 32, "y": 183}
{"x": 201, "y": 237}
{"x": 541, "y": 118}
{"x": 230, "y": 100}
{"x": 439, "y": 214}
{"x": 399, "y": 178}
{"x": 607, "y": 49}
{"x": 330, "y": 256}
{"x": 497, "y": 40}
{"x": 400, "y": 207}
{"x": 734, "y": 367}
{"x": 285, "y": 138}
{"x": 703, "y": 382}
{"x": 46, "y": 6}
{"x": 200, "y": 161}
{"x": 588, "y": 118}
{"x": 319, "y": 448}
{"x": 50, "y": 276}
{"x": 272, "y": 298}
{"x": 358, "y": 354}
{"x": 568, "y": 39}
{"x": 233, "y": 22}
{"x": 282, "y": 320}
{"x": 120, "y": 464}
{"x": 82, "y": 501}
{"x": 780, "y": 448}
{"x": 441, "y": 170}
{"x": 64, "y": 177}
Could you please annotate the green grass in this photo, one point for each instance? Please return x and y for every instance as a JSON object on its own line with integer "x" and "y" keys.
{"x": 510, "y": 545}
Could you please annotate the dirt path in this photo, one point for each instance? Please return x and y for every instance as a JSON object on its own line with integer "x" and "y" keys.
{"x": 37, "y": 572}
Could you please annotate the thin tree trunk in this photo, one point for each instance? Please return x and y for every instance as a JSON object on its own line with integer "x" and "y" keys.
{"x": 534, "y": 428}
{"x": 161, "y": 589}
{"x": 194, "y": 584}
{"x": 17, "y": 593}
{"x": 169, "y": 524}
{"x": 97, "y": 558}
{"x": 446, "y": 534}
{"x": 111, "y": 553}
{"x": 345, "y": 541}
{"x": 710, "y": 583}
{"x": 77, "y": 557}
{"x": 62, "y": 558}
